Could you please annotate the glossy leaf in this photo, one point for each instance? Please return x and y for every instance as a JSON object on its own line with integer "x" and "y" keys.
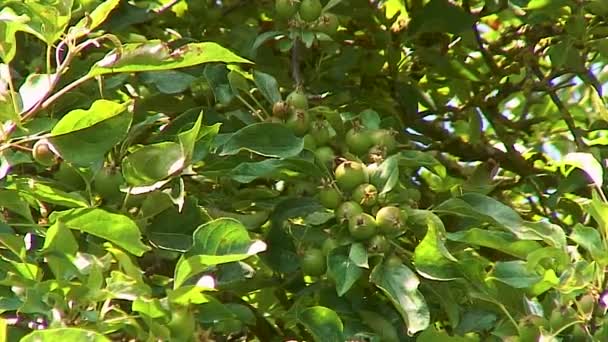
{"x": 343, "y": 270}
{"x": 84, "y": 136}
{"x": 261, "y": 139}
{"x": 431, "y": 257}
{"x": 400, "y": 285}
{"x": 115, "y": 228}
{"x": 323, "y": 323}
{"x": 156, "y": 56}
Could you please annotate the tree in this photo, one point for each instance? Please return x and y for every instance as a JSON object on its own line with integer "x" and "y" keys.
{"x": 272, "y": 170}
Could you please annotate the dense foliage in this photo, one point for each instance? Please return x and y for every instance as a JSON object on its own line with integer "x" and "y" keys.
{"x": 361, "y": 170}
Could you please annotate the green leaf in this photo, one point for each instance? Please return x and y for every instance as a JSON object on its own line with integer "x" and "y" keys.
{"x": 93, "y": 19}
{"x": 261, "y": 138}
{"x": 116, "y": 228}
{"x": 169, "y": 81}
{"x": 400, "y": 285}
{"x": 10, "y": 101}
{"x": 156, "y": 56}
{"x": 431, "y": 257}
{"x": 432, "y": 334}
{"x": 12, "y": 200}
{"x": 65, "y": 335}
{"x": 487, "y": 209}
{"x": 500, "y": 241}
{"x": 323, "y": 323}
{"x": 49, "y": 194}
{"x": 153, "y": 163}
{"x": 415, "y": 159}
{"x": 150, "y": 307}
{"x": 585, "y": 162}
{"x": 432, "y": 18}
{"x": 590, "y": 239}
{"x": 216, "y": 242}
{"x": 48, "y": 18}
{"x": 343, "y": 270}
{"x": 187, "y": 139}
{"x": 10, "y": 23}
{"x": 515, "y": 274}
{"x": 58, "y": 243}
{"x": 386, "y": 176}
{"x": 268, "y": 86}
{"x": 84, "y": 136}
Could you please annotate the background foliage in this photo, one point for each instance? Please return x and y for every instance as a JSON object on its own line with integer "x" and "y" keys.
{"x": 338, "y": 170}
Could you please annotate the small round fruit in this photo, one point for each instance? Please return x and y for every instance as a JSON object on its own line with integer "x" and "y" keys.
{"x": 67, "y": 175}
{"x": 321, "y": 131}
{"x": 330, "y": 198}
{"x": 107, "y": 183}
{"x": 329, "y": 245}
{"x": 286, "y": 8}
{"x": 379, "y": 244}
{"x": 358, "y": 141}
{"x": 385, "y": 139}
{"x": 350, "y": 174}
{"x": 586, "y": 304}
{"x": 280, "y": 109}
{"x": 328, "y": 23}
{"x": 313, "y": 262}
{"x": 362, "y": 226}
{"x": 299, "y": 122}
{"x": 325, "y": 155}
{"x": 391, "y": 220}
{"x": 310, "y": 10}
{"x": 365, "y": 194}
{"x": 43, "y": 154}
{"x": 348, "y": 210}
{"x": 297, "y": 100}
{"x": 309, "y": 142}
{"x": 182, "y": 324}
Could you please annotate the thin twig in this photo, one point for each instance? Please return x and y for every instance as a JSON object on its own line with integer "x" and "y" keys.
{"x": 295, "y": 62}
{"x": 562, "y": 109}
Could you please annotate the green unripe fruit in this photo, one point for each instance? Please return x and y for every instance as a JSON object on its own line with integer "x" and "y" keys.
{"x": 321, "y": 131}
{"x": 385, "y": 139}
{"x": 309, "y": 142}
{"x": 286, "y": 8}
{"x": 330, "y": 198}
{"x": 297, "y": 100}
{"x": 362, "y": 226}
{"x": 299, "y": 122}
{"x": 325, "y": 155}
{"x": 329, "y": 245}
{"x": 67, "y": 175}
{"x": 586, "y": 304}
{"x": 310, "y": 10}
{"x": 350, "y": 175}
{"x": 313, "y": 262}
{"x": 182, "y": 324}
{"x": 43, "y": 154}
{"x": 379, "y": 244}
{"x": 391, "y": 220}
{"x": 365, "y": 194}
{"x": 358, "y": 141}
{"x": 107, "y": 183}
{"x": 328, "y": 23}
{"x": 280, "y": 109}
{"x": 347, "y": 210}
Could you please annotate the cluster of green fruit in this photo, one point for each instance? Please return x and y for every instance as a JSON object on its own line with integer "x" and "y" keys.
{"x": 354, "y": 191}
{"x": 308, "y": 11}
